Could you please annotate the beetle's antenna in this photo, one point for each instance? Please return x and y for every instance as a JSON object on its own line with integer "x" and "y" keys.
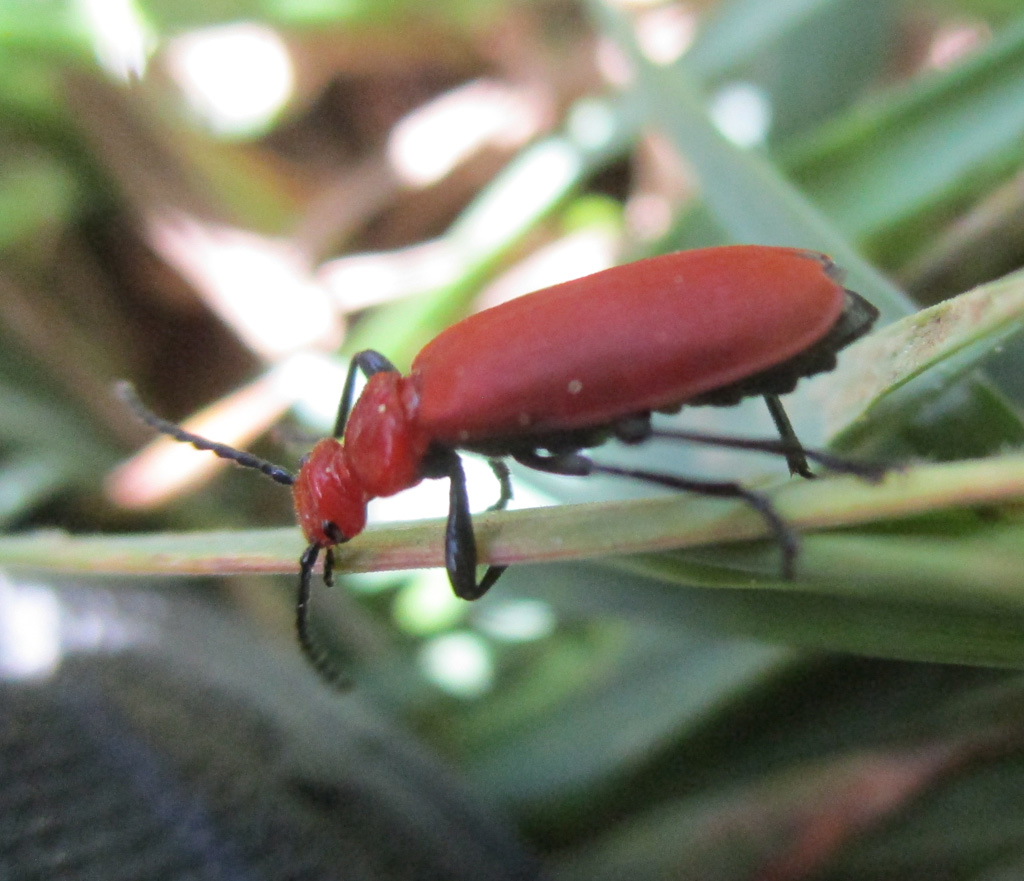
{"x": 126, "y": 392}
{"x": 315, "y": 653}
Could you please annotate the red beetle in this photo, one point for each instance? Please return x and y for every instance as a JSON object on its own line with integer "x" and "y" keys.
{"x": 548, "y": 374}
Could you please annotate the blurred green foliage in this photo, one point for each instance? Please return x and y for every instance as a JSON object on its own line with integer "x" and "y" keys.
{"x": 688, "y": 715}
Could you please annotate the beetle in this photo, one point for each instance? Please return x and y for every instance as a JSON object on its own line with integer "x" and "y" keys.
{"x": 546, "y": 375}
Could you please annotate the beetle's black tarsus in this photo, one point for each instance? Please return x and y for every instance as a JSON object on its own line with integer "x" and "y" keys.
{"x": 126, "y": 392}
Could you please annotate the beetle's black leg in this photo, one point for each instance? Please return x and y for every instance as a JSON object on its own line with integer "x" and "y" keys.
{"x": 367, "y": 362}
{"x": 867, "y": 470}
{"x": 501, "y": 471}
{"x": 306, "y": 563}
{"x": 329, "y": 567}
{"x": 459, "y": 541}
{"x": 577, "y": 465}
{"x": 315, "y": 653}
{"x": 785, "y": 536}
{"x": 796, "y": 457}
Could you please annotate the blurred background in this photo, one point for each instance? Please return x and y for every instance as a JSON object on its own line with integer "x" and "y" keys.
{"x": 221, "y": 201}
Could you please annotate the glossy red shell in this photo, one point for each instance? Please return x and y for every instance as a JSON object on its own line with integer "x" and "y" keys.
{"x": 637, "y": 337}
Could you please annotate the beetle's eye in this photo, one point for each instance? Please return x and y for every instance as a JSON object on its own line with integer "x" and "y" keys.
{"x": 303, "y": 461}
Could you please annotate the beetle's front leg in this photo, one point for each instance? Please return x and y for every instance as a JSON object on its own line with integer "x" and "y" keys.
{"x": 459, "y": 540}
{"x": 368, "y": 362}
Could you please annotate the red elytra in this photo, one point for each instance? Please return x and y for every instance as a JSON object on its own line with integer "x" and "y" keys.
{"x": 551, "y": 373}
{"x": 638, "y": 337}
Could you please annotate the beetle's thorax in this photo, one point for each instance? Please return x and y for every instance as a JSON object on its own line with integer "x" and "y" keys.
{"x": 383, "y": 445}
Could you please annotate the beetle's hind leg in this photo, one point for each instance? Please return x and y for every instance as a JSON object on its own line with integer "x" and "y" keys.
{"x": 840, "y": 464}
{"x": 796, "y": 456}
{"x": 578, "y": 465}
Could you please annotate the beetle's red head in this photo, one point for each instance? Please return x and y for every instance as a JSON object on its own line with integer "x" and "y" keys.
{"x": 330, "y": 501}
